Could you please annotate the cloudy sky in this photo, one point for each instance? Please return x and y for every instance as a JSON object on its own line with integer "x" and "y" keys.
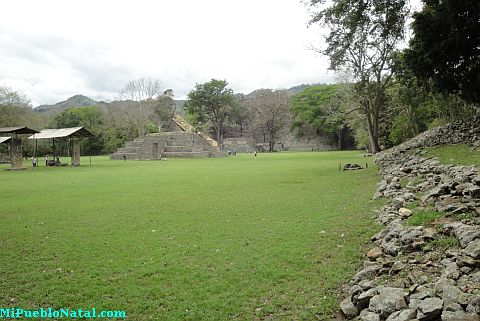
{"x": 51, "y": 50}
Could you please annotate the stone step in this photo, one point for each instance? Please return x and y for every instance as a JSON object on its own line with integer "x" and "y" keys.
{"x": 218, "y": 153}
{"x": 181, "y": 135}
{"x": 133, "y": 143}
{"x": 128, "y": 149}
{"x": 154, "y": 137}
{"x": 184, "y": 143}
{"x": 178, "y": 142}
{"x": 178, "y": 148}
{"x": 119, "y": 156}
{"x": 182, "y": 123}
{"x": 185, "y": 154}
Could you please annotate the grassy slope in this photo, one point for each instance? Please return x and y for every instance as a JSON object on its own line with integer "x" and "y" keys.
{"x": 207, "y": 239}
{"x": 460, "y": 154}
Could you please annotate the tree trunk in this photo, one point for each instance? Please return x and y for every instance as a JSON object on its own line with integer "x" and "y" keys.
{"x": 372, "y": 125}
{"x": 373, "y": 134}
{"x": 339, "y": 139}
{"x": 219, "y": 137}
{"x": 271, "y": 141}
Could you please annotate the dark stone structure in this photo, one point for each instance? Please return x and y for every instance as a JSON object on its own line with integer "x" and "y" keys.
{"x": 75, "y": 153}
{"x": 16, "y": 153}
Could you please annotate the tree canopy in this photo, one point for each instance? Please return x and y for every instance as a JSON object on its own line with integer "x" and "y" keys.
{"x": 321, "y": 107}
{"x": 14, "y": 106}
{"x": 269, "y": 114}
{"x": 90, "y": 117}
{"x": 362, "y": 36}
{"x": 211, "y": 102}
{"x": 445, "y": 48}
{"x": 141, "y": 97}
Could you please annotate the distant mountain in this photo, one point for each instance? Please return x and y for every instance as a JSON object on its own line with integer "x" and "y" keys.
{"x": 297, "y": 89}
{"x": 291, "y": 91}
{"x": 81, "y": 100}
{"x": 74, "y": 101}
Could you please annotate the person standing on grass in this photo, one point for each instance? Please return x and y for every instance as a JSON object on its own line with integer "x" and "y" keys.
{"x": 46, "y": 159}
{"x": 124, "y": 157}
{"x": 34, "y": 161}
{"x": 255, "y": 154}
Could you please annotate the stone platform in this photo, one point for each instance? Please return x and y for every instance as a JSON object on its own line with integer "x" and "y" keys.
{"x": 176, "y": 144}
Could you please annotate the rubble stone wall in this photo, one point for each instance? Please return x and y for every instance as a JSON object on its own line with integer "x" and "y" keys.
{"x": 429, "y": 272}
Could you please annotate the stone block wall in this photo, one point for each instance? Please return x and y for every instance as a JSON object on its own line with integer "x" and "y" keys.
{"x": 241, "y": 145}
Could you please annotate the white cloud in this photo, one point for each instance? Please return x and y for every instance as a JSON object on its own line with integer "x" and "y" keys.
{"x": 51, "y": 50}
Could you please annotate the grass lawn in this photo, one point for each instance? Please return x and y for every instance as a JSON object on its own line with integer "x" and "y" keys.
{"x": 189, "y": 239}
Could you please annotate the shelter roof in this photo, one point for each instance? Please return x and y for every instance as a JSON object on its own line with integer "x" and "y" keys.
{"x": 17, "y": 130}
{"x": 4, "y": 139}
{"x": 62, "y": 132}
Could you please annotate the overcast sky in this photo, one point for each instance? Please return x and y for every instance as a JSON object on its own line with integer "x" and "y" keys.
{"x": 51, "y": 50}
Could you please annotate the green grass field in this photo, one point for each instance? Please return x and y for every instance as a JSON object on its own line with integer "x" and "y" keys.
{"x": 236, "y": 238}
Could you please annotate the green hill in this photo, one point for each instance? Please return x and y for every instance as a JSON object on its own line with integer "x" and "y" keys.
{"x": 74, "y": 101}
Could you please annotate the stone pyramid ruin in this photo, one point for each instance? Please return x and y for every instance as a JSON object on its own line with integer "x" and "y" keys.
{"x": 178, "y": 139}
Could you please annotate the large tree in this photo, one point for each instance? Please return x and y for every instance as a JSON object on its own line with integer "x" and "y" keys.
{"x": 90, "y": 117}
{"x": 322, "y": 108}
{"x": 269, "y": 114}
{"x": 362, "y": 36}
{"x": 211, "y": 102}
{"x": 240, "y": 115}
{"x": 414, "y": 107}
{"x": 445, "y": 48}
{"x": 164, "y": 107}
{"x": 140, "y": 95}
{"x": 14, "y": 107}
{"x": 119, "y": 127}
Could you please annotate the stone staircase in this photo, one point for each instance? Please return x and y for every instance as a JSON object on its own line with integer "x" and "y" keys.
{"x": 184, "y": 125}
{"x": 182, "y": 143}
